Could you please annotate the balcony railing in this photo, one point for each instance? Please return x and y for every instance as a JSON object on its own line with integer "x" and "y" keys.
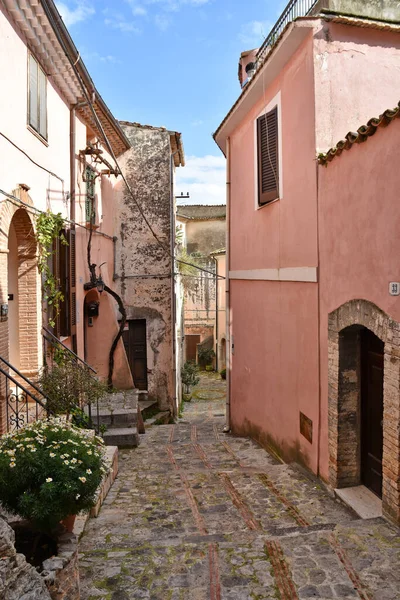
{"x": 295, "y": 8}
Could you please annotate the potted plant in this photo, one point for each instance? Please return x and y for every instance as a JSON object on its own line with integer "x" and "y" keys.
{"x": 223, "y": 374}
{"x": 206, "y": 357}
{"x": 50, "y": 470}
{"x": 189, "y": 379}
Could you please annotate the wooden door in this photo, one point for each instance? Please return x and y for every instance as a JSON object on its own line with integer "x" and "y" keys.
{"x": 371, "y": 411}
{"x": 136, "y": 350}
{"x": 191, "y": 342}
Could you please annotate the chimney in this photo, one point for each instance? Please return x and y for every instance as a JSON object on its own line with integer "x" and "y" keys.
{"x": 247, "y": 66}
{"x": 382, "y": 10}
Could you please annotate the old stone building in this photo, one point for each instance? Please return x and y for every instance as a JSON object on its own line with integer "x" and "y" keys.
{"x": 144, "y": 264}
{"x": 203, "y": 230}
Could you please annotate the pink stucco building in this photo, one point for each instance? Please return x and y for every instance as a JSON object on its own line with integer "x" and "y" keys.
{"x": 312, "y": 327}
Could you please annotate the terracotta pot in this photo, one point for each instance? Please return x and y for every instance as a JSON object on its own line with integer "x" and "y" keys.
{"x": 69, "y": 523}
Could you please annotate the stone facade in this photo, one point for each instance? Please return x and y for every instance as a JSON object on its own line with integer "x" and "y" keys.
{"x": 144, "y": 268}
{"x": 344, "y": 399}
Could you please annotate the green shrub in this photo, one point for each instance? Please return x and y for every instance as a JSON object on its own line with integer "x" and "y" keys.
{"x": 189, "y": 376}
{"x": 223, "y": 374}
{"x": 50, "y": 470}
{"x": 206, "y": 355}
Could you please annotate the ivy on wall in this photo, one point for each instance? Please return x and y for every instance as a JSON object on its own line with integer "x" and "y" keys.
{"x": 49, "y": 228}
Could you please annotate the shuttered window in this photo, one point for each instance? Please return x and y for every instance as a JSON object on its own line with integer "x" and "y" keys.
{"x": 268, "y": 157}
{"x": 64, "y": 269}
{"x": 37, "y": 98}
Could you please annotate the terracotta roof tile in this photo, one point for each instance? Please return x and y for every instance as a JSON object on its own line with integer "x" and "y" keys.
{"x": 361, "y": 135}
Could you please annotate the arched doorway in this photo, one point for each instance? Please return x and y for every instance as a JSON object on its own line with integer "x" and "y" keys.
{"x": 364, "y": 402}
{"x": 22, "y": 279}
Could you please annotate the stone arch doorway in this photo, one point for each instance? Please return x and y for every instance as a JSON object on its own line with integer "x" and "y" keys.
{"x": 22, "y": 284}
{"x": 364, "y": 401}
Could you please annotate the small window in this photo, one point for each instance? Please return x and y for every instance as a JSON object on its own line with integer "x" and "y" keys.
{"x": 90, "y": 177}
{"x": 268, "y": 157}
{"x": 37, "y": 98}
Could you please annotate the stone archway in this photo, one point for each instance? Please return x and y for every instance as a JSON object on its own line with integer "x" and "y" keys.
{"x": 344, "y": 396}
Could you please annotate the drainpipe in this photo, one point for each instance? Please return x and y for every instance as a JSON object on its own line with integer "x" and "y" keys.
{"x": 227, "y": 427}
{"x": 72, "y": 135}
{"x": 173, "y": 298}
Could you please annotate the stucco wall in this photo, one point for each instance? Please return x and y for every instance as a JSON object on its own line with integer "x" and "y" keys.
{"x": 376, "y": 9}
{"x": 359, "y": 241}
{"x": 147, "y": 166}
{"x": 205, "y": 236}
{"x": 356, "y": 78}
{"x": 274, "y": 325}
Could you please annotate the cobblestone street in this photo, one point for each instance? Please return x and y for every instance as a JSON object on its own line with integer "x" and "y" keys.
{"x": 200, "y": 515}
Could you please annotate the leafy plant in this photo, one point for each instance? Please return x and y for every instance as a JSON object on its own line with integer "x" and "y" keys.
{"x": 48, "y": 228}
{"x": 50, "y": 470}
{"x": 189, "y": 376}
{"x": 223, "y": 374}
{"x": 206, "y": 355}
{"x": 69, "y": 387}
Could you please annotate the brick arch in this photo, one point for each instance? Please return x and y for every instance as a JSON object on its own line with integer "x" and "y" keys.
{"x": 344, "y": 325}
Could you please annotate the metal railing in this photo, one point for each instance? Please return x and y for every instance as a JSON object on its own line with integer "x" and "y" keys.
{"x": 25, "y": 401}
{"x": 54, "y": 353}
{"x": 295, "y": 9}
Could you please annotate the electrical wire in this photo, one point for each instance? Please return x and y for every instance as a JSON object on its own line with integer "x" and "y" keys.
{"x": 31, "y": 159}
{"x": 17, "y": 202}
{"x": 109, "y": 147}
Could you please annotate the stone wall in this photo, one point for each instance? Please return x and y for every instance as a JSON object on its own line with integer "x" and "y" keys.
{"x": 61, "y": 572}
{"x": 18, "y": 579}
{"x": 143, "y": 267}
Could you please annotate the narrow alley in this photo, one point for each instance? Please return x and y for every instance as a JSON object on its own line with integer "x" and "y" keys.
{"x": 197, "y": 514}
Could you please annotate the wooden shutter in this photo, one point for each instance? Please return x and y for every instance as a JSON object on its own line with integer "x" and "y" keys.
{"x": 72, "y": 271}
{"x": 64, "y": 268}
{"x": 268, "y": 157}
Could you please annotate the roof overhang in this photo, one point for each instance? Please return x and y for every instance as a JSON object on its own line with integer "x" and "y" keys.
{"x": 273, "y": 63}
{"x": 41, "y": 25}
{"x": 177, "y": 150}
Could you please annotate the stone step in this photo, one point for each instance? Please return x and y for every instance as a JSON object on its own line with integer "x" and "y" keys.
{"x": 161, "y": 418}
{"x": 118, "y": 417}
{"x": 123, "y": 437}
{"x": 147, "y": 407}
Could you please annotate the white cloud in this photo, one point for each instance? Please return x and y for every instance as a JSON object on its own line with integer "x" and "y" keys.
{"x": 96, "y": 57}
{"x": 162, "y": 22}
{"x": 254, "y": 33}
{"x": 79, "y": 11}
{"x": 204, "y": 178}
{"x": 122, "y": 25}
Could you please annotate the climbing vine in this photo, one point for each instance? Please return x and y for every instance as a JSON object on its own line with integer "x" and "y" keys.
{"x": 49, "y": 228}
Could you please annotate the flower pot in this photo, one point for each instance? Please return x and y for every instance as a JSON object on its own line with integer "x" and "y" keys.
{"x": 69, "y": 523}
{"x": 187, "y": 397}
{"x": 209, "y": 368}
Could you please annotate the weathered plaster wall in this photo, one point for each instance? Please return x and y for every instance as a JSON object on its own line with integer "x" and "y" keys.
{"x": 205, "y": 236}
{"x": 375, "y": 9}
{"x": 147, "y": 166}
{"x": 356, "y": 77}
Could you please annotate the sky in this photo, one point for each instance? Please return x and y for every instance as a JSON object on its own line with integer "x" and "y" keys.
{"x": 172, "y": 63}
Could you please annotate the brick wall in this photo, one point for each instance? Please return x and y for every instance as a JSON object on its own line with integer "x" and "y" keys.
{"x": 344, "y": 399}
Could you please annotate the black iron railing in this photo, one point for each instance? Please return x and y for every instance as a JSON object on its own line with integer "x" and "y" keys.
{"x": 25, "y": 401}
{"x": 51, "y": 339}
{"x": 295, "y": 9}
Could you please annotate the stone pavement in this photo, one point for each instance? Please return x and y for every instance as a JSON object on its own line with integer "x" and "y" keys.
{"x": 200, "y": 515}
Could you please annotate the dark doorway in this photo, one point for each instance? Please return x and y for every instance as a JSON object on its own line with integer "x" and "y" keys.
{"x": 371, "y": 411}
{"x": 136, "y": 350}
{"x": 191, "y": 346}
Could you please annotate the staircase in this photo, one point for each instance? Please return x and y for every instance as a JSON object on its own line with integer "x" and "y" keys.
{"x": 119, "y": 418}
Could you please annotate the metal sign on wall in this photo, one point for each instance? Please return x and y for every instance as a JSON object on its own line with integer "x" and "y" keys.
{"x": 394, "y": 288}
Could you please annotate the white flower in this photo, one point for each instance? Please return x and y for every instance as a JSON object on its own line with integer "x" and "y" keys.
{"x": 66, "y": 462}
{"x": 33, "y": 449}
{"x": 12, "y": 465}
{"x": 89, "y": 452}
{"x": 49, "y": 480}
{"x": 88, "y": 471}
{"x": 52, "y": 454}
{"x": 83, "y": 479}
{"x": 77, "y": 497}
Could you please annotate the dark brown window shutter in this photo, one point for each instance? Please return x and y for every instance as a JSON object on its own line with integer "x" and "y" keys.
{"x": 72, "y": 270}
{"x": 64, "y": 275}
{"x": 268, "y": 157}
